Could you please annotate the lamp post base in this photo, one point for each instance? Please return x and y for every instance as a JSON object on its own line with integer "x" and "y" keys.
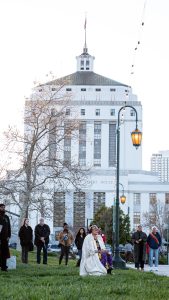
{"x": 119, "y": 263}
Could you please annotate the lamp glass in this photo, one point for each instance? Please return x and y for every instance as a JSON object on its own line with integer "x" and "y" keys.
{"x": 136, "y": 137}
{"x": 123, "y": 199}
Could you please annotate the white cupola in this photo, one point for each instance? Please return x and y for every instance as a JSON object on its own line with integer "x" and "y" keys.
{"x": 85, "y": 60}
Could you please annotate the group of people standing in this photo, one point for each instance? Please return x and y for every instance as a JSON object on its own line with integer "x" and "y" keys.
{"x": 94, "y": 259}
{"x": 42, "y": 232}
{"x": 144, "y": 245}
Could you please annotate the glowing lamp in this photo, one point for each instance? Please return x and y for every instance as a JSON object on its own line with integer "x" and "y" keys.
{"x": 136, "y": 137}
{"x": 123, "y": 199}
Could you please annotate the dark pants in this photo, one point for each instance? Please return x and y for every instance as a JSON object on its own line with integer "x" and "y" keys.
{"x": 4, "y": 254}
{"x": 139, "y": 264}
{"x": 25, "y": 250}
{"x": 39, "y": 248}
{"x": 64, "y": 251}
{"x": 80, "y": 256}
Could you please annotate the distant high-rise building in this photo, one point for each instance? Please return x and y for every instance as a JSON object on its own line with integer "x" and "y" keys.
{"x": 160, "y": 165}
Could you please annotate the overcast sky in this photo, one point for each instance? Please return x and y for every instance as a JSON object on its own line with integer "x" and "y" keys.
{"x": 38, "y": 36}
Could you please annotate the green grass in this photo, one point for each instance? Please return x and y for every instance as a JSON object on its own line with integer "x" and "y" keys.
{"x": 54, "y": 282}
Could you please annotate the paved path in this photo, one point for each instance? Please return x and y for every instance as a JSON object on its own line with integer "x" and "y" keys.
{"x": 162, "y": 269}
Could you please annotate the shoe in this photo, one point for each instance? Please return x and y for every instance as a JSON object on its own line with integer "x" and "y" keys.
{"x": 156, "y": 269}
{"x": 4, "y": 270}
{"x": 109, "y": 271}
{"x": 151, "y": 270}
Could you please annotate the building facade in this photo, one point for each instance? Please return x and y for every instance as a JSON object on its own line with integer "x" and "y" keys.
{"x": 95, "y": 103}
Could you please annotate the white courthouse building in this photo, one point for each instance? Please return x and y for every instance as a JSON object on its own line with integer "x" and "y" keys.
{"x": 95, "y": 101}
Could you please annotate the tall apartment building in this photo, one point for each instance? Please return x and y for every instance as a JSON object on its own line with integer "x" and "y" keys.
{"x": 160, "y": 165}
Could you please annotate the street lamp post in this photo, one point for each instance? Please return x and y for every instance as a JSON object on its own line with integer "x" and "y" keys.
{"x": 136, "y": 136}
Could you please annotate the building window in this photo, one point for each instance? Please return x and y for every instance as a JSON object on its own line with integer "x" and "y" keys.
{"x": 99, "y": 201}
{"x": 59, "y": 209}
{"x": 67, "y": 143}
{"x": 83, "y": 90}
{"x": 78, "y": 210}
{"x": 52, "y": 138}
{"x": 112, "y": 112}
{"x": 137, "y": 199}
{"x": 68, "y": 90}
{"x": 67, "y": 111}
{"x": 82, "y": 144}
{"x": 112, "y": 144}
{"x": 98, "y": 90}
{"x": 82, "y": 112}
{"x": 97, "y": 112}
{"x": 132, "y": 113}
{"x": 112, "y": 90}
{"x": 97, "y": 144}
{"x": 153, "y": 198}
{"x": 82, "y": 62}
{"x": 166, "y": 198}
{"x": 87, "y": 63}
{"x": 136, "y": 218}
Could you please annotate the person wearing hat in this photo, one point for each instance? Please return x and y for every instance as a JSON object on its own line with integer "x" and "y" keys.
{"x": 139, "y": 239}
{"x": 154, "y": 242}
{"x": 93, "y": 247}
{"x": 5, "y": 234}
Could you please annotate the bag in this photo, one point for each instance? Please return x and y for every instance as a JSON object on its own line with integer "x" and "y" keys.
{"x": 31, "y": 247}
{"x": 11, "y": 262}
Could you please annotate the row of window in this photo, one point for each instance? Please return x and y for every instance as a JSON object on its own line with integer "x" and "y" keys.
{"x": 84, "y": 90}
{"x": 98, "y": 111}
{"x": 79, "y": 213}
{"x": 96, "y": 89}
{"x": 97, "y": 145}
{"x": 152, "y": 199}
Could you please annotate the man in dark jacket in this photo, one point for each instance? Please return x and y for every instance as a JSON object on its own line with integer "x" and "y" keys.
{"x": 42, "y": 232}
{"x": 139, "y": 239}
{"x": 154, "y": 242}
{"x": 5, "y": 234}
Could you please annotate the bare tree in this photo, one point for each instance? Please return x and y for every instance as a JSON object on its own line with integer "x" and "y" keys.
{"x": 48, "y": 133}
{"x": 158, "y": 215}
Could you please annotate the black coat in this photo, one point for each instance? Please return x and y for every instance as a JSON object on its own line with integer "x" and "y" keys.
{"x": 79, "y": 241}
{"x": 139, "y": 249}
{"x": 6, "y": 227}
{"x": 41, "y": 231}
{"x": 25, "y": 235}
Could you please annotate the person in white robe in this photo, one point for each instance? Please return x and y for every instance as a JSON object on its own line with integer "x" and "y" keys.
{"x": 90, "y": 262}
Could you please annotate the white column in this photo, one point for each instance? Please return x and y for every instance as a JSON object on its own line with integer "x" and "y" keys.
{"x": 89, "y": 207}
{"x": 89, "y": 143}
{"x": 105, "y": 145}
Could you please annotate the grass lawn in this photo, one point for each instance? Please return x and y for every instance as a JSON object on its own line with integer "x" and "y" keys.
{"x": 36, "y": 282}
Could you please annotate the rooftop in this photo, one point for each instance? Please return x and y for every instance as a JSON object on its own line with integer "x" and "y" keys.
{"x": 86, "y": 78}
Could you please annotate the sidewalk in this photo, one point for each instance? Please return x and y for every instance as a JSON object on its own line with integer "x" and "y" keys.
{"x": 163, "y": 270}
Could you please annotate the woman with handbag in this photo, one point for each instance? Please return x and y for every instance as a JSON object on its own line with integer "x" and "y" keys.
{"x": 26, "y": 237}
